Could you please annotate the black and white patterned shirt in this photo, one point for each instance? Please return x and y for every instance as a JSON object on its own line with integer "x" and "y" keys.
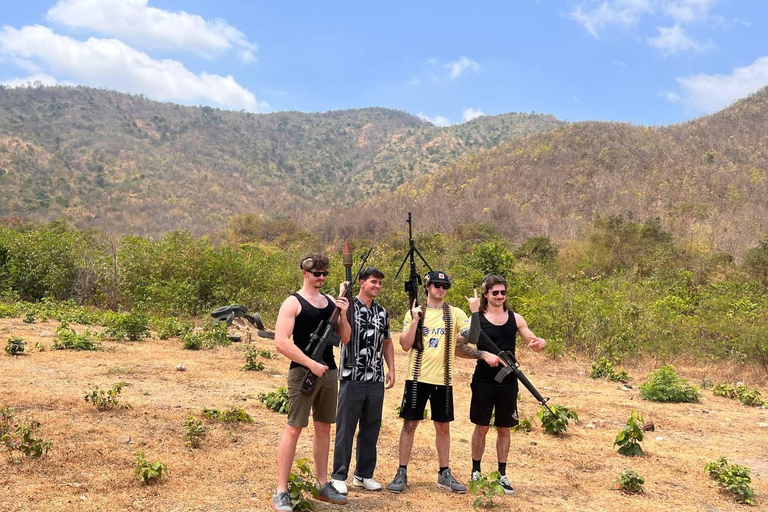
{"x": 362, "y": 358}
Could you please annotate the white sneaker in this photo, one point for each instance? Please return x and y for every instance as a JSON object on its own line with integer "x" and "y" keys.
{"x": 340, "y": 486}
{"x": 369, "y": 483}
{"x": 475, "y": 477}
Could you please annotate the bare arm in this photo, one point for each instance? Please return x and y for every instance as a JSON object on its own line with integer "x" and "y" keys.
{"x": 463, "y": 349}
{"x": 409, "y": 335}
{"x": 534, "y": 343}
{"x": 388, "y": 351}
{"x": 286, "y": 319}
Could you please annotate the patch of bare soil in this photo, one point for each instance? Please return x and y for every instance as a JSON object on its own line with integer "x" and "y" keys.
{"x": 89, "y": 467}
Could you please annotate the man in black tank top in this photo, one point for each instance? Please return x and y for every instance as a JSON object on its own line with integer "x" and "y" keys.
{"x": 299, "y": 316}
{"x": 501, "y": 325}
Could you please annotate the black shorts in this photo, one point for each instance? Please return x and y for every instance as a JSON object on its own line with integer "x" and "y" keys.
{"x": 487, "y": 397}
{"x": 440, "y": 401}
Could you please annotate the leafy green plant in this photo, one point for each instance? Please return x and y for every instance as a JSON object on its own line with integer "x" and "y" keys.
{"x": 556, "y": 423}
{"x": 251, "y": 362}
{"x": 211, "y": 335}
{"x": 630, "y": 482}
{"x": 732, "y": 479}
{"x": 194, "y": 432}
{"x": 300, "y": 484}
{"x": 523, "y": 425}
{"x": 276, "y": 400}
{"x": 486, "y": 489}
{"x": 266, "y": 354}
{"x": 29, "y": 317}
{"x": 745, "y": 395}
{"x": 230, "y": 415}
{"x": 148, "y": 472}
{"x": 603, "y": 368}
{"x": 631, "y": 435}
{"x": 169, "y": 327}
{"x": 21, "y": 436}
{"x": 106, "y": 400}
{"x": 68, "y": 339}
{"x": 15, "y": 346}
{"x": 133, "y": 326}
{"x": 665, "y": 385}
{"x": 192, "y": 340}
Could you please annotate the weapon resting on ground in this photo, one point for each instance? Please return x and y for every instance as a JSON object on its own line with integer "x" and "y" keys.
{"x": 229, "y": 313}
{"x": 511, "y": 366}
{"x": 325, "y": 335}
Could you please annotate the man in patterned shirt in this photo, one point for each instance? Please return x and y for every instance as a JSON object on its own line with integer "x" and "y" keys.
{"x": 362, "y": 385}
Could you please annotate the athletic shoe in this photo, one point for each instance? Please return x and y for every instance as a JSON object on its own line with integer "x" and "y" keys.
{"x": 508, "y": 489}
{"x": 340, "y": 486}
{"x": 476, "y": 476}
{"x": 445, "y": 480}
{"x": 401, "y": 480}
{"x": 328, "y": 493}
{"x": 281, "y": 501}
{"x": 368, "y": 483}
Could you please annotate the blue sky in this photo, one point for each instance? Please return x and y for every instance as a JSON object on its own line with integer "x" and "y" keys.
{"x": 652, "y": 62}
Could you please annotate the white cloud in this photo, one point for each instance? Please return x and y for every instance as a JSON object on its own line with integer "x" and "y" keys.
{"x": 437, "y": 120}
{"x": 112, "y": 63}
{"x": 616, "y": 12}
{"x": 30, "y": 80}
{"x": 470, "y": 113}
{"x": 462, "y": 66}
{"x": 672, "y": 40}
{"x": 709, "y": 93}
{"x": 134, "y": 21}
{"x": 688, "y": 11}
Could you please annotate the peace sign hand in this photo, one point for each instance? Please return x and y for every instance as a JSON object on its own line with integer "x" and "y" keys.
{"x": 474, "y": 302}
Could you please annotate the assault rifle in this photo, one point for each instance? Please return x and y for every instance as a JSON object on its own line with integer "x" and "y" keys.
{"x": 511, "y": 366}
{"x": 413, "y": 283}
{"x": 325, "y": 335}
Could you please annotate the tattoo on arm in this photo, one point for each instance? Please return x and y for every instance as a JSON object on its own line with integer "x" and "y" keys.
{"x": 464, "y": 350}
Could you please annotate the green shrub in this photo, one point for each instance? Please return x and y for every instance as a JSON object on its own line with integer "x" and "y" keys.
{"x": 68, "y": 339}
{"x": 742, "y": 393}
{"x": 732, "y": 479}
{"x": 603, "y": 368}
{"x": 212, "y": 335}
{"x": 276, "y": 400}
{"x": 556, "y": 423}
{"x": 106, "y": 400}
{"x": 251, "y": 362}
{"x": 230, "y": 415}
{"x": 664, "y": 385}
{"x": 485, "y": 489}
{"x": 21, "y": 436}
{"x": 194, "y": 432}
{"x": 192, "y": 340}
{"x": 631, "y": 435}
{"x": 148, "y": 472}
{"x": 15, "y": 346}
{"x": 133, "y": 326}
{"x": 630, "y": 482}
{"x": 523, "y": 425}
{"x": 170, "y": 327}
{"x": 29, "y": 318}
{"x": 300, "y": 484}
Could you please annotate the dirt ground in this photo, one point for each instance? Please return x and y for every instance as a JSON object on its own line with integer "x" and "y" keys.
{"x": 89, "y": 467}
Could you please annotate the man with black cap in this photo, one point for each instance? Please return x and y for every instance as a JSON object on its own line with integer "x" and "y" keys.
{"x": 430, "y": 331}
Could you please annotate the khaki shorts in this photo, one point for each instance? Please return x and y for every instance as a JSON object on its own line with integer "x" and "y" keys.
{"x": 322, "y": 401}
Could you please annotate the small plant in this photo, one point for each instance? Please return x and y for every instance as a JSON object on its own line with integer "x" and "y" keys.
{"x": 732, "y": 479}
{"x": 15, "y": 346}
{"x": 106, "y": 400}
{"x": 276, "y": 400}
{"x": 192, "y": 340}
{"x": 194, "y": 432}
{"x": 133, "y": 326}
{"x": 630, "y": 482}
{"x": 21, "y": 436}
{"x": 603, "y": 368}
{"x": 148, "y": 472}
{"x": 631, "y": 435}
{"x": 266, "y": 354}
{"x": 556, "y": 423}
{"x": 665, "y": 385}
{"x": 231, "y": 415}
{"x": 523, "y": 425}
{"x": 300, "y": 484}
{"x": 742, "y": 393}
{"x": 487, "y": 487}
{"x": 251, "y": 363}
{"x": 170, "y": 327}
{"x": 212, "y": 335}
{"x": 68, "y": 339}
{"x": 29, "y": 317}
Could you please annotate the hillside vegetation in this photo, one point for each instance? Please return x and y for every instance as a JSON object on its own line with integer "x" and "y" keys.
{"x": 105, "y": 159}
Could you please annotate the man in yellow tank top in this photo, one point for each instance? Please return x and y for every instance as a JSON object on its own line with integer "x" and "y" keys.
{"x": 431, "y": 341}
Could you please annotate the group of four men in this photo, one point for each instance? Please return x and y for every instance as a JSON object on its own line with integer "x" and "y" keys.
{"x": 433, "y": 333}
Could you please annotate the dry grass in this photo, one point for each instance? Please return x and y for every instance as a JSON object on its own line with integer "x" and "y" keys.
{"x": 88, "y": 469}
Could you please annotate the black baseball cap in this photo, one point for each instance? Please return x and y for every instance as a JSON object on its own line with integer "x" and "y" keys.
{"x": 436, "y": 276}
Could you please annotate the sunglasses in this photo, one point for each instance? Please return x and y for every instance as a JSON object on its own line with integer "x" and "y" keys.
{"x": 496, "y": 293}
{"x": 444, "y": 286}
{"x": 318, "y": 274}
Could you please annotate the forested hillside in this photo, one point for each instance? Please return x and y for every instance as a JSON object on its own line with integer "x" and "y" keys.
{"x": 105, "y": 159}
{"x": 705, "y": 180}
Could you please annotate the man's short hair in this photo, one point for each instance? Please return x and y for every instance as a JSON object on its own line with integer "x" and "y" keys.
{"x": 371, "y": 272}
{"x": 314, "y": 261}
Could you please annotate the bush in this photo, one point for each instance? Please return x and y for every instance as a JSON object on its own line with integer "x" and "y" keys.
{"x": 68, "y": 339}
{"x": 276, "y": 400}
{"x": 169, "y": 327}
{"x": 29, "y": 318}
{"x": 212, "y": 335}
{"x": 603, "y": 368}
{"x": 732, "y": 479}
{"x": 300, "y": 482}
{"x": 20, "y": 436}
{"x": 631, "y": 435}
{"x": 194, "y": 432}
{"x": 251, "y": 362}
{"x": 630, "y": 482}
{"x": 664, "y": 385}
{"x": 15, "y": 346}
{"x": 231, "y": 415}
{"x": 133, "y": 326}
{"x": 487, "y": 487}
{"x": 148, "y": 472}
{"x": 556, "y": 422}
{"x": 742, "y": 393}
{"x": 106, "y": 400}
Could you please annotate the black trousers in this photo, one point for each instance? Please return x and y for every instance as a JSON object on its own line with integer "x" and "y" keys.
{"x": 360, "y": 402}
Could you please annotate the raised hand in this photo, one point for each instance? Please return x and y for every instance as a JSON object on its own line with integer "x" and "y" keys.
{"x": 474, "y": 302}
